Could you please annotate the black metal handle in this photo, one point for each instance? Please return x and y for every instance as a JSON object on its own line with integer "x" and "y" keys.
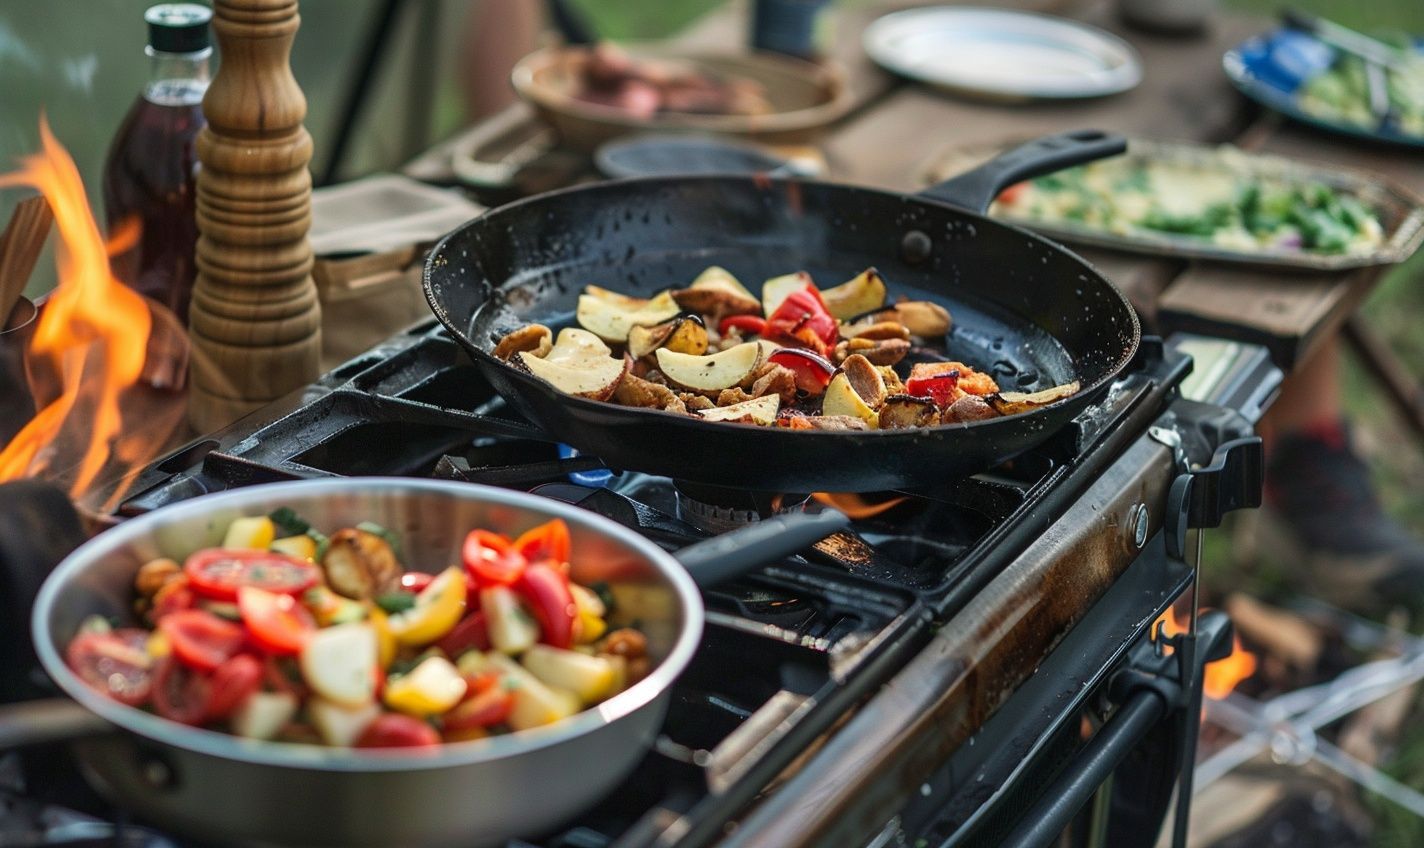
{"x": 975, "y": 190}
{"x": 29, "y": 723}
{"x": 570, "y": 24}
{"x": 732, "y": 554}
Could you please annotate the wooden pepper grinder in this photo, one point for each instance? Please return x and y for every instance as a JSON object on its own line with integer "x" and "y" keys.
{"x": 254, "y": 321}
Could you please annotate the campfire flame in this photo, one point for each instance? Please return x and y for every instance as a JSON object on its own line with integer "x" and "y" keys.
{"x": 856, "y": 506}
{"x": 88, "y": 351}
{"x": 1223, "y": 675}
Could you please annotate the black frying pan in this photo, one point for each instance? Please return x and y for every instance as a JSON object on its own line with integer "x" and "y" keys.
{"x": 1024, "y": 308}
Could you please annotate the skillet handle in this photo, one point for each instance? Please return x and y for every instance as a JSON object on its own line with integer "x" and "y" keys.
{"x": 975, "y": 190}
{"x": 729, "y": 555}
{"x": 29, "y": 723}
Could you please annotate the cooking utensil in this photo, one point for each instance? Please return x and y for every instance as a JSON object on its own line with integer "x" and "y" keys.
{"x": 227, "y": 790}
{"x": 805, "y": 97}
{"x": 20, "y": 248}
{"x": 1002, "y": 54}
{"x": 1024, "y": 308}
{"x": 1400, "y": 210}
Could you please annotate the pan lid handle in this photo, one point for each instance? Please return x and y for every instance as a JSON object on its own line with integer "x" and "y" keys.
{"x": 975, "y": 190}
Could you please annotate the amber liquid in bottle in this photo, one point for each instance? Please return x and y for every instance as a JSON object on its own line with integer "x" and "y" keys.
{"x": 150, "y": 176}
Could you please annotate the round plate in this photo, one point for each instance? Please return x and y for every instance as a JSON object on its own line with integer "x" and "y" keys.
{"x": 1269, "y": 68}
{"x": 1002, "y": 54}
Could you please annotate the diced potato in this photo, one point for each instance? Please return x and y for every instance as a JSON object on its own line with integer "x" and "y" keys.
{"x": 589, "y": 677}
{"x": 866, "y": 291}
{"x": 301, "y": 547}
{"x": 511, "y": 629}
{"x": 338, "y": 724}
{"x": 339, "y": 663}
{"x": 535, "y": 703}
{"x": 430, "y": 688}
{"x": 474, "y": 663}
{"x": 262, "y": 715}
{"x": 256, "y": 532}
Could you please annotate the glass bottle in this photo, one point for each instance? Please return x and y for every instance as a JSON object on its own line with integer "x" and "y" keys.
{"x": 151, "y": 169}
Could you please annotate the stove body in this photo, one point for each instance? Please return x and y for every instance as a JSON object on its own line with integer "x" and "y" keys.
{"x": 921, "y": 679}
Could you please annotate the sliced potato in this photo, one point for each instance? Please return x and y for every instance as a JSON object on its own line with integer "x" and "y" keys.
{"x": 717, "y": 293}
{"x": 862, "y": 293}
{"x": 906, "y": 411}
{"x": 622, "y": 301}
{"x": 532, "y": 338}
{"x": 611, "y": 321}
{"x": 339, "y": 724}
{"x": 760, "y": 411}
{"x": 1012, "y": 403}
{"x": 922, "y": 318}
{"x": 339, "y": 664}
{"x": 589, "y": 677}
{"x": 715, "y": 276}
{"x": 874, "y": 330}
{"x": 578, "y": 364}
{"x": 841, "y": 399}
{"x": 778, "y": 289}
{"x": 710, "y": 373}
{"x": 967, "y": 409}
{"x": 262, "y": 715}
{"x": 684, "y": 334}
{"x": 535, "y": 702}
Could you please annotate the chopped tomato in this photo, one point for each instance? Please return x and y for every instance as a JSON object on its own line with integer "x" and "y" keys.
{"x": 394, "y": 730}
{"x": 278, "y": 623}
{"x": 803, "y": 319}
{"x": 491, "y": 558}
{"x": 116, "y": 664}
{"x": 200, "y": 639}
{"x": 470, "y": 633}
{"x": 547, "y": 591}
{"x": 219, "y": 572}
{"x": 942, "y": 387}
{"x": 549, "y": 542}
{"x": 968, "y": 380}
{"x": 230, "y": 685}
{"x": 1011, "y": 195}
{"x": 180, "y": 694}
{"x": 482, "y": 709}
{"x": 175, "y": 595}
{"x": 481, "y": 683}
{"x": 750, "y": 325}
{"x": 415, "y": 581}
{"x": 813, "y": 372}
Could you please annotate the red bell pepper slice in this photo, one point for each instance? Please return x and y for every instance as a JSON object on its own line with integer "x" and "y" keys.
{"x": 803, "y": 318}
{"x": 469, "y": 633}
{"x": 549, "y": 542}
{"x": 750, "y": 325}
{"x": 547, "y": 591}
{"x": 492, "y": 559}
{"x": 813, "y": 372}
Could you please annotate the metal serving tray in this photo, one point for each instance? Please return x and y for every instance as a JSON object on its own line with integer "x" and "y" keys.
{"x": 1400, "y": 210}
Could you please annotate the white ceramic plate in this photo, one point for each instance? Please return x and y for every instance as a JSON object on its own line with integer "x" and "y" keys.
{"x": 1003, "y": 54}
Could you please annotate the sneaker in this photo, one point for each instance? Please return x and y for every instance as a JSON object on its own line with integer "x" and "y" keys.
{"x": 1322, "y": 514}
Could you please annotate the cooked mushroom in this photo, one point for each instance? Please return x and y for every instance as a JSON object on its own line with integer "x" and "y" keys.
{"x": 532, "y": 338}
{"x": 717, "y": 293}
{"x": 578, "y": 364}
{"x": 635, "y": 391}
{"x": 611, "y": 320}
{"x": 361, "y": 565}
{"x": 684, "y": 334}
{"x": 774, "y": 379}
{"x": 874, "y": 330}
{"x": 893, "y": 384}
{"x": 695, "y": 402}
{"x": 966, "y": 409}
{"x": 760, "y": 411}
{"x": 826, "y": 422}
{"x": 920, "y": 317}
{"x": 1013, "y": 403}
{"x": 878, "y": 351}
{"x": 710, "y": 373}
{"x": 904, "y": 411}
{"x": 861, "y": 294}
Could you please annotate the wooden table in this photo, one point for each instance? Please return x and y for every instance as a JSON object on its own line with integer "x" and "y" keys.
{"x": 898, "y": 128}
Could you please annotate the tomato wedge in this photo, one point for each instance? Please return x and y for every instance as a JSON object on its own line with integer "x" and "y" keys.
{"x": 200, "y": 639}
{"x": 230, "y": 685}
{"x": 469, "y": 633}
{"x": 415, "y": 581}
{"x": 491, "y": 558}
{"x": 175, "y": 595}
{"x": 394, "y": 730}
{"x": 549, "y": 542}
{"x": 179, "y": 694}
{"x": 547, "y": 591}
{"x": 219, "y": 572}
{"x": 278, "y": 623}
{"x": 116, "y": 664}
{"x": 483, "y": 709}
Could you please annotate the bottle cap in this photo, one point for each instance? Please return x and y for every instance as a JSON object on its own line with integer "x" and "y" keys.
{"x": 178, "y": 27}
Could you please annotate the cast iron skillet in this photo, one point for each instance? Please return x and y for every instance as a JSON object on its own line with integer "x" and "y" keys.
{"x": 1024, "y": 307}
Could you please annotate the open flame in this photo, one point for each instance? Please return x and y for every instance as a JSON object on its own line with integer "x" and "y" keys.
{"x": 88, "y": 352}
{"x": 1223, "y": 675}
{"x": 857, "y": 506}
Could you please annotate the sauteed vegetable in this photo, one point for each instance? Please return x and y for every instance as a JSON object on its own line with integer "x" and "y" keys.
{"x": 798, "y": 357}
{"x": 286, "y": 633}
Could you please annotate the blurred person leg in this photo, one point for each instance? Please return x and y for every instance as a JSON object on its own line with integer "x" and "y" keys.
{"x": 1321, "y": 509}
{"x": 498, "y": 33}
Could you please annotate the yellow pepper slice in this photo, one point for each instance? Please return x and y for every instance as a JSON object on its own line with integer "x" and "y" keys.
{"x": 437, "y": 609}
{"x": 301, "y": 547}
{"x": 254, "y": 533}
{"x": 430, "y": 688}
{"x": 385, "y": 639}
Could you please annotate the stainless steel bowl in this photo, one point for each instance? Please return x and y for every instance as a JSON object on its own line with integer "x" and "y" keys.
{"x": 223, "y": 789}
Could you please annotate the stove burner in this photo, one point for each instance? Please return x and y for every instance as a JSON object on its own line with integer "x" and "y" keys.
{"x": 716, "y": 509}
